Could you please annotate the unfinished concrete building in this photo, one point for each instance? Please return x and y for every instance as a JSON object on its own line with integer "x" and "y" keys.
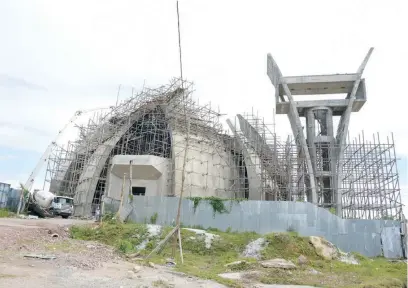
{"x": 368, "y": 187}
{"x": 139, "y": 147}
{"x": 145, "y": 145}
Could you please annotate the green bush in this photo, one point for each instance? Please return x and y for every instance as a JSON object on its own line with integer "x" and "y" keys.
{"x": 4, "y": 213}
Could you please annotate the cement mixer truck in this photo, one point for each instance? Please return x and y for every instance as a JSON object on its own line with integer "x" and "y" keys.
{"x": 46, "y": 204}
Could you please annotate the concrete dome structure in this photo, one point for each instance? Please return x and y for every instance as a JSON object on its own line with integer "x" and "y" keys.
{"x": 139, "y": 148}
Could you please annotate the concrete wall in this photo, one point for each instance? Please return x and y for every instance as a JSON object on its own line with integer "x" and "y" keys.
{"x": 148, "y": 171}
{"x": 362, "y": 236}
{"x": 210, "y": 170}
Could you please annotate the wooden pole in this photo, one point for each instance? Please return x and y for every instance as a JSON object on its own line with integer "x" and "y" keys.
{"x": 163, "y": 241}
{"x": 187, "y": 118}
{"x": 121, "y": 196}
{"x": 181, "y": 249}
{"x": 130, "y": 176}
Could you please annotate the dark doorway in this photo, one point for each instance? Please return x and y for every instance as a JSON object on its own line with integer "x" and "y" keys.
{"x": 138, "y": 191}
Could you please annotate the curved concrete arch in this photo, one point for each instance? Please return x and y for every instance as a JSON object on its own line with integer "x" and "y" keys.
{"x": 272, "y": 167}
{"x": 255, "y": 179}
{"x": 92, "y": 169}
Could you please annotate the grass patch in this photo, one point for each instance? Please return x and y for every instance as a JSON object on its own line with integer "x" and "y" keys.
{"x": 5, "y": 213}
{"x": 161, "y": 283}
{"x": 125, "y": 237}
{"x": 153, "y": 218}
{"x": 7, "y": 276}
{"x": 288, "y": 246}
{"x": 207, "y": 263}
{"x": 64, "y": 246}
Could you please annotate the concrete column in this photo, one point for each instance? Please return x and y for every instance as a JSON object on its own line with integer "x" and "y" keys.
{"x": 320, "y": 149}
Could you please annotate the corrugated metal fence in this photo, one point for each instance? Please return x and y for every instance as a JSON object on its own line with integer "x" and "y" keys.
{"x": 9, "y": 197}
{"x": 4, "y": 190}
{"x": 368, "y": 237}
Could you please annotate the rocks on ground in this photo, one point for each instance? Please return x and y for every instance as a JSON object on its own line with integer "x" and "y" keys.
{"x": 348, "y": 258}
{"x": 324, "y": 248}
{"x": 278, "y": 263}
{"x": 254, "y": 248}
{"x": 240, "y": 275}
{"x": 152, "y": 232}
{"x": 302, "y": 260}
{"x": 208, "y": 237}
{"x": 236, "y": 263}
{"x": 77, "y": 263}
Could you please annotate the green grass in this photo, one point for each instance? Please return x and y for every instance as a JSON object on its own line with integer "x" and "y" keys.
{"x": 7, "y": 276}
{"x": 4, "y": 213}
{"x": 208, "y": 263}
{"x": 122, "y": 236}
{"x": 161, "y": 283}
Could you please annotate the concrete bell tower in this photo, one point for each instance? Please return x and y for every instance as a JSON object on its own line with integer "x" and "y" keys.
{"x": 321, "y": 150}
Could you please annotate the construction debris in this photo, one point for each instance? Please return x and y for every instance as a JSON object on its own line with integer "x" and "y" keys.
{"x": 40, "y": 256}
{"x": 253, "y": 249}
{"x": 278, "y": 263}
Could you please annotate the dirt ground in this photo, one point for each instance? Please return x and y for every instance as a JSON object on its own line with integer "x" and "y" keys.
{"x": 76, "y": 263}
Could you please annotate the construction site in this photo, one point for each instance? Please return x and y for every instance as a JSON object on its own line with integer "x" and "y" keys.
{"x": 160, "y": 142}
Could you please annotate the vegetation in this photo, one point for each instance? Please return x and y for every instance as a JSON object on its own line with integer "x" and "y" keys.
{"x": 153, "y": 218}
{"x": 209, "y": 262}
{"x": 4, "y": 213}
{"x": 217, "y": 204}
{"x": 161, "y": 283}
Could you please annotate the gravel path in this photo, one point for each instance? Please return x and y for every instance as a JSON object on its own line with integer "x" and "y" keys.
{"x": 76, "y": 263}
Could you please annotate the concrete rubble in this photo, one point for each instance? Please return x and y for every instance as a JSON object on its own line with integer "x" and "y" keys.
{"x": 278, "y": 263}
{"x": 152, "y": 231}
{"x": 208, "y": 237}
{"x": 254, "y": 248}
{"x": 240, "y": 275}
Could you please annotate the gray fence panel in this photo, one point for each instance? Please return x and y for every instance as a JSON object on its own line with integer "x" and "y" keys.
{"x": 3, "y": 199}
{"x": 390, "y": 237}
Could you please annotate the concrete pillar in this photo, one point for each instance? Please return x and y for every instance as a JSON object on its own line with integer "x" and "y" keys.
{"x": 320, "y": 139}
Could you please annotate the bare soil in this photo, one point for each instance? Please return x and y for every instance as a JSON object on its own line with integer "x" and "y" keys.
{"x": 76, "y": 263}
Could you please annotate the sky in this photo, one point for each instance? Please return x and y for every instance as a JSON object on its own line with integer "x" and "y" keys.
{"x": 57, "y": 57}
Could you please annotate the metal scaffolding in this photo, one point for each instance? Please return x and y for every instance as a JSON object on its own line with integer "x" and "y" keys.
{"x": 370, "y": 187}
{"x": 247, "y": 161}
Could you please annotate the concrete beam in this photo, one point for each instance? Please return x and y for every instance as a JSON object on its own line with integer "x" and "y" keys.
{"x": 320, "y": 84}
{"x": 274, "y": 74}
{"x": 338, "y": 106}
{"x": 318, "y": 79}
{"x": 144, "y": 167}
{"x": 343, "y": 129}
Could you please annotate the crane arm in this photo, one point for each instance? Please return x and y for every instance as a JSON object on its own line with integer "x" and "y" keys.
{"x": 29, "y": 183}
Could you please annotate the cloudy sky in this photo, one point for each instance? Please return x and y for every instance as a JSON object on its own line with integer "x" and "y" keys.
{"x": 57, "y": 57}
